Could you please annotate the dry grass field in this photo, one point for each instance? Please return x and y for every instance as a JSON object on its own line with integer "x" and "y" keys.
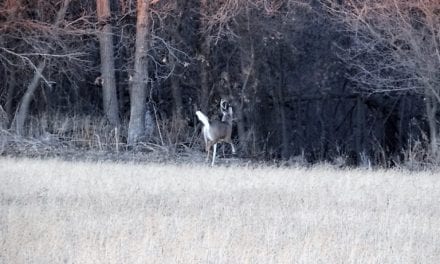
{"x": 78, "y": 212}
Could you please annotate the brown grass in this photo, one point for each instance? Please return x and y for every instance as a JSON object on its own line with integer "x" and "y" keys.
{"x": 77, "y": 212}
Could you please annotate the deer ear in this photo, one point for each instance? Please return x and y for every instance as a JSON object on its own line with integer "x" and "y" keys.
{"x": 230, "y": 110}
{"x": 223, "y": 104}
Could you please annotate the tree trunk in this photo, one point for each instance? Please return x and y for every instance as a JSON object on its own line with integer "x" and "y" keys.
{"x": 110, "y": 100}
{"x": 431, "y": 110}
{"x": 175, "y": 88}
{"x": 359, "y": 134}
{"x": 177, "y": 98}
{"x": 247, "y": 62}
{"x": 279, "y": 105}
{"x": 280, "y": 115}
{"x": 4, "y": 119}
{"x": 136, "y": 126}
{"x": 175, "y": 79}
{"x": 12, "y": 84}
{"x": 23, "y": 110}
{"x": 204, "y": 63}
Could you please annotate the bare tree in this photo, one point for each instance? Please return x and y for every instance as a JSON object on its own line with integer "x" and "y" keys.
{"x": 110, "y": 100}
{"x": 23, "y": 110}
{"x": 395, "y": 47}
{"x": 204, "y": 60}
{"x": 138, "y": 89}
{"x": 216, "y": 24}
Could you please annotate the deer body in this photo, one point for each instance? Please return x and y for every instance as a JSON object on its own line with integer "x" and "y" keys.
{"x": 216, "y": 131}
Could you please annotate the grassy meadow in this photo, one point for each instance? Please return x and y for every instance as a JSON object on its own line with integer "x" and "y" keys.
{"x": 55, "y": 211}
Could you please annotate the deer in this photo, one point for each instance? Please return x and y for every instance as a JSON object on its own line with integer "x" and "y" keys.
{"x": 215, "y": 131}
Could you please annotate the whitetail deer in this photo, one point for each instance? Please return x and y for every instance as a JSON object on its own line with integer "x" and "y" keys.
{"x": 217, "y": 131}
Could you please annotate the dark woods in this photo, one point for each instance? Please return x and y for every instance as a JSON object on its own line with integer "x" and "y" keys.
{"x": 310, "y": 80}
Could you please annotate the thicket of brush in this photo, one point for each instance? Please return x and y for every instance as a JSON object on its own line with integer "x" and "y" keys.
{"x": 92, "y": 137}
{"x": 67, "y": 136}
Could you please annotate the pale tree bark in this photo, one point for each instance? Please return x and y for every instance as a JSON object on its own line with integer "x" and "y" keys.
{"x": 23, "y": 110}
{"x": 109, "y": 95}
{"x": 25, "y": 102}
{"x": 138, "y": 89}
{"x": 4, "y": 120}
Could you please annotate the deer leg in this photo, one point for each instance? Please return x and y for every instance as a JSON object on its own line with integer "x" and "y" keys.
{"x": 213, "y": 154}
{"x": 205, "y": 137}
{"x": 208, "y": 147}
{"x": 232, "y": 146}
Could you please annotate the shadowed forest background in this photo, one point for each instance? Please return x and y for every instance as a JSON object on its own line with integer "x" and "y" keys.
{"x": 308, "y": 79}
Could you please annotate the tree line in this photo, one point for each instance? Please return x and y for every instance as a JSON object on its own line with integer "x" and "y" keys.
{"x": 309, "y": 79}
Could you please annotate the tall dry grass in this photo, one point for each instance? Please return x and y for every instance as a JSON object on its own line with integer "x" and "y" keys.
{"x": 75, "y": 212}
